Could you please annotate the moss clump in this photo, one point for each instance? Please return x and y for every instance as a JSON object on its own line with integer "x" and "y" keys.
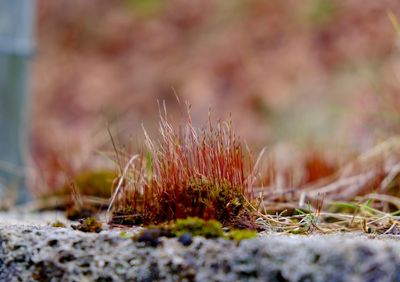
{"x": 86, "y": 186}
{"x": 75, "y": 212}
{"x": 191, "y": 226}
{"x": 189, "y": 172}
{"x": 58, "y": 224}
{"x": 200, "y": 198}
{"x": 90, "y": 224}
{"x": 197, "y": 227}
{"x": 239, "y": 235}
{"x": 184, "y": 229}
{"x": 95, "y": 183}
{"x": 208, "y": 199}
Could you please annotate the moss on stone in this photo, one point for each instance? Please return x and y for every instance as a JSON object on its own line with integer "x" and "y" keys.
{"x": 239, "y": 235}
{"x": 75, "y": 212}
{"x": 191, "y": 226}
{"x": 58, "y": 224}
{"x": 197, "y": 227}
{"x": 90, "y": 224}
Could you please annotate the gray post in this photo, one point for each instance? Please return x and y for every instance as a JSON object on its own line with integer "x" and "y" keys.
{"x": 16, "y": 46}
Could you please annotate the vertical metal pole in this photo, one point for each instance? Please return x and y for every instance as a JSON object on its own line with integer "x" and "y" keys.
{"x": 16, "y": 46}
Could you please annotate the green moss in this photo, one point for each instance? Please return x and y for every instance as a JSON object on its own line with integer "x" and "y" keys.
{"x": 75, "y": 212}
{"x": 123, "y": 234}
{"x": 95, "y": 183}
{"x": 205, "y": 198}
{"x": 90, "y": 224}
{"x": 58, "y": 224}
{"x": 299, "y": 231}
{"x": 239, "y": 235}
{"x": 87, "y": 183}
{"x": 228, "y": 201}
{"x": 197, "y": 227}
{"x": 191, "y": 226}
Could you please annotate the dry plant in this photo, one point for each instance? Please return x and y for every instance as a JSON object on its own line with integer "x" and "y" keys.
{"x": 362, "y": 195}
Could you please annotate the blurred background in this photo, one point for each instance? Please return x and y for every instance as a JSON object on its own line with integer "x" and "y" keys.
{"x": 293, "y": 73}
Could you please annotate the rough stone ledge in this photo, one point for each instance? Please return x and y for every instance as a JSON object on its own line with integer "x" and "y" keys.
{"x": 30, "y": 253}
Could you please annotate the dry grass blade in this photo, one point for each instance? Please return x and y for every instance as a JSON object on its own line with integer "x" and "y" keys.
{"x": 120, "y": 181}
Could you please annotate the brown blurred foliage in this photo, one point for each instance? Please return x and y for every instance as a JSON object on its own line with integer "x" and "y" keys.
{"x": 288, "y": 70}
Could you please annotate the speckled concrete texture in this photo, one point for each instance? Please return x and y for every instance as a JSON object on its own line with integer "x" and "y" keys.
{"x": 42, "y": 253}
